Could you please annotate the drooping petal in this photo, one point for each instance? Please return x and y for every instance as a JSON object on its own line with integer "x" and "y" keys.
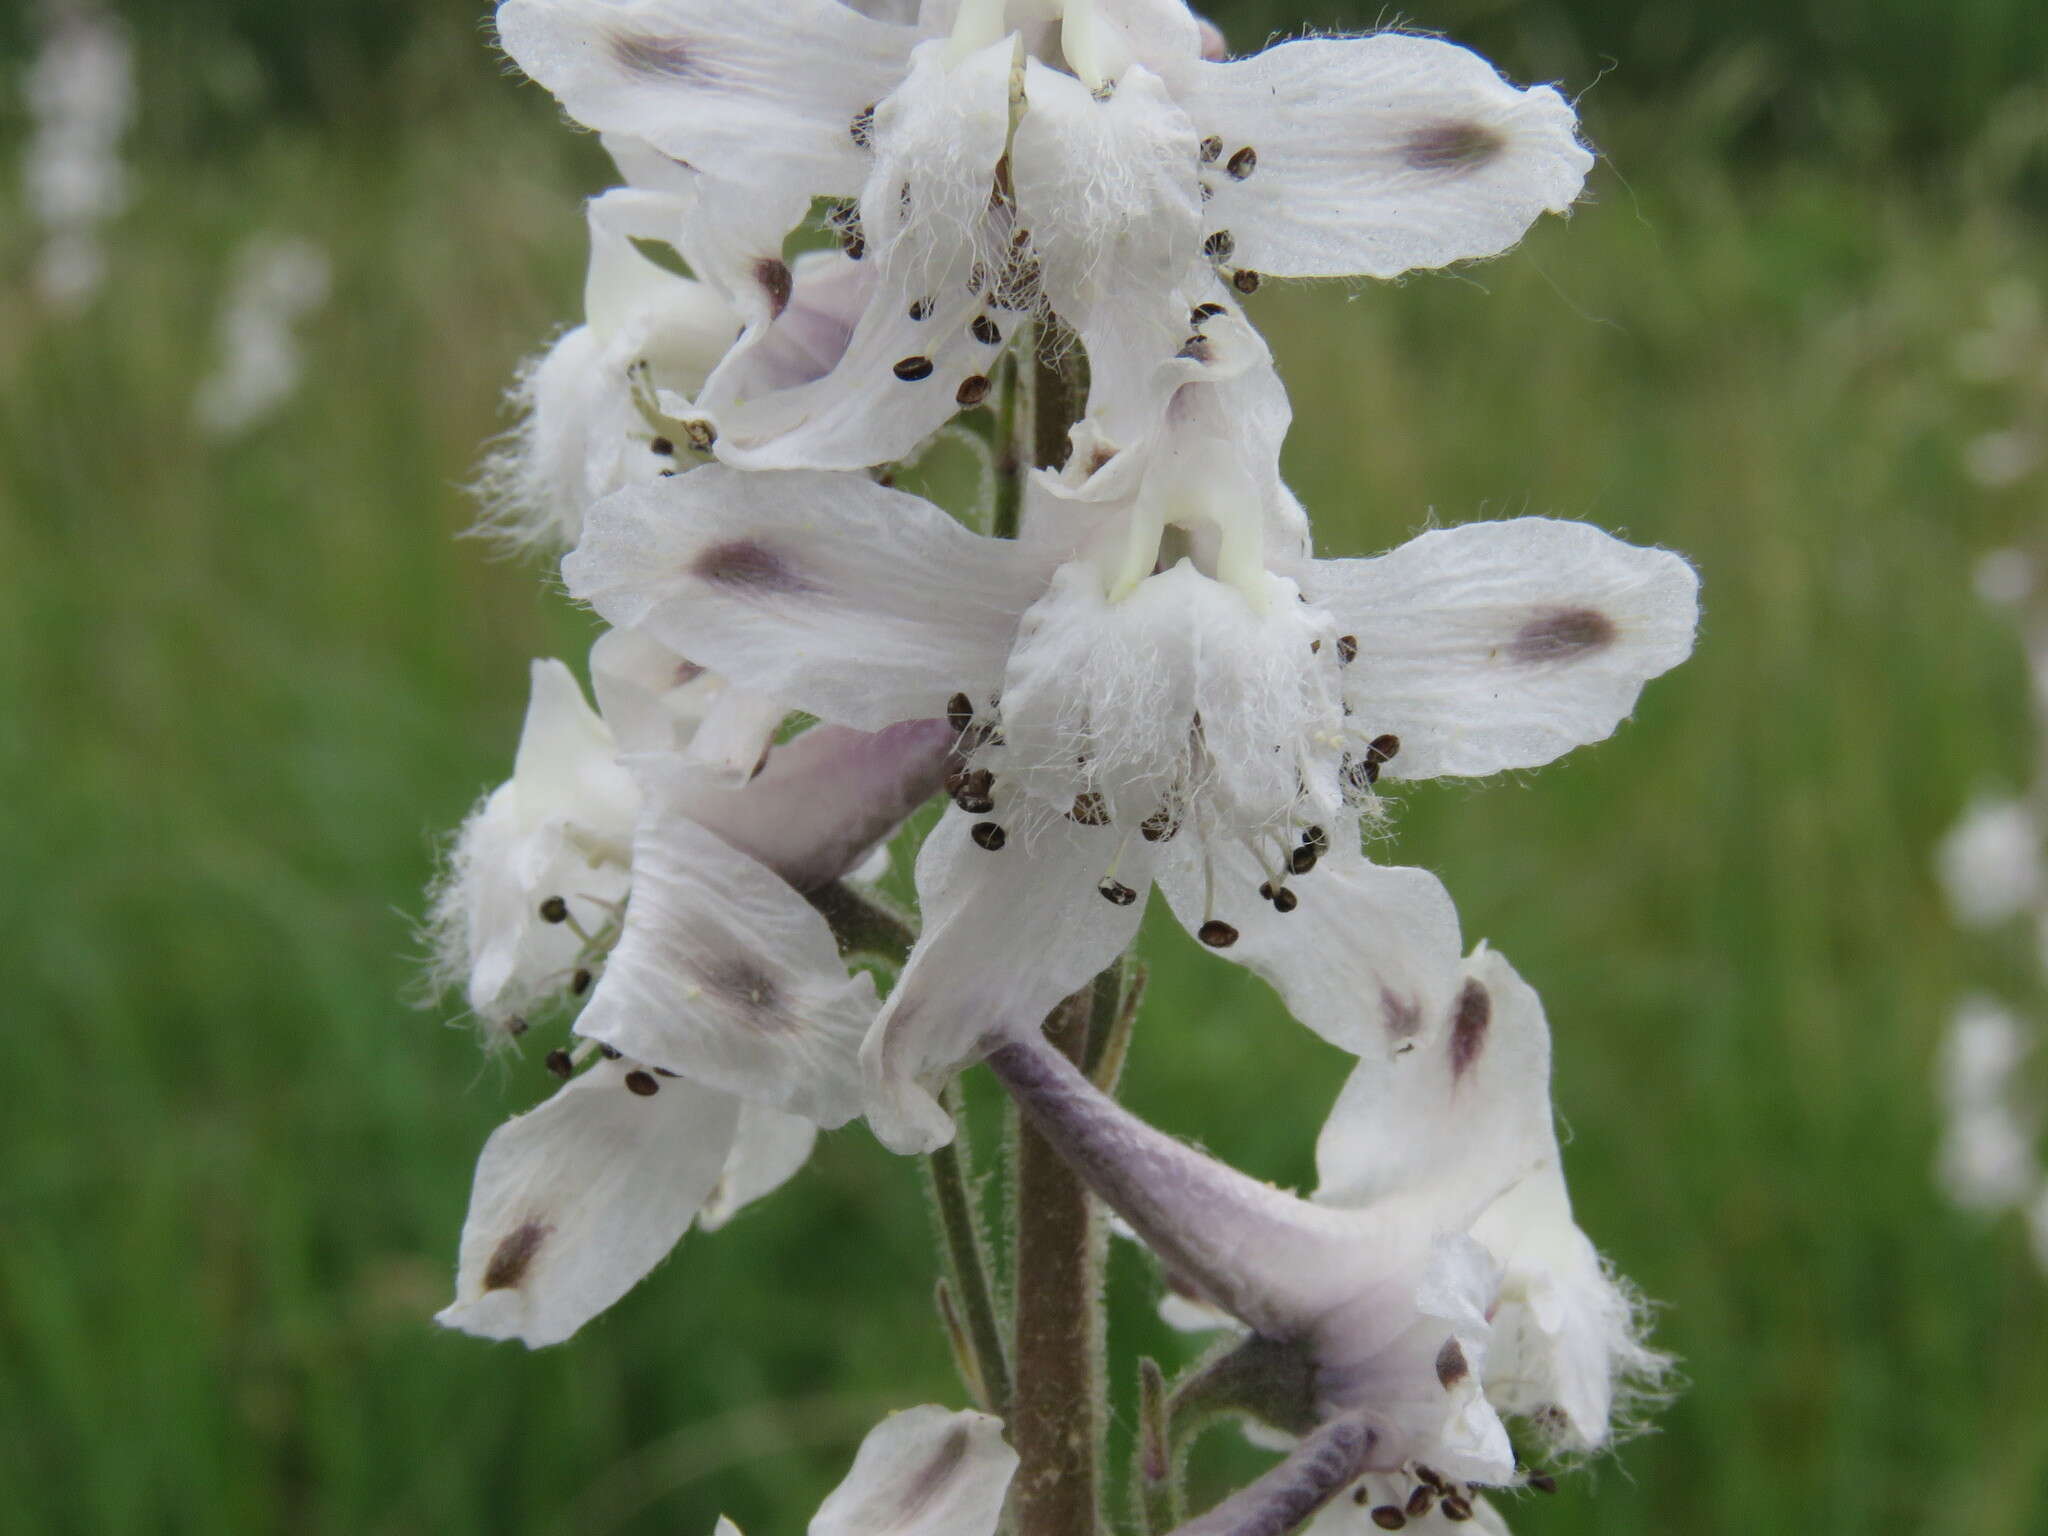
{"x": 756, "y": 90}
{"x": 923, "y": 1472}
{"x": 860, "y": 604}
{"x": 1008, "y": 933}
{"x": 1368, "y": 956}
{"x": 767, "y": 1150}
{"x": 1101, "y": 39}
{"x": 920, "y": 350}
{"x": 725, "y": 974}
{"x": 1372, "y": 156}
{"x": 1504, "y": 645}
{"x": 575, "y": 1201}
{"x": 1106, "y": 187}
{"x": 822, "y": 800}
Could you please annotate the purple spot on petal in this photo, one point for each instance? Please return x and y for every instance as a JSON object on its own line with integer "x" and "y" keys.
{"x": 1564, "y": 634}
{"x": 1470, "y": 1017}
{"x": 511, "y": 1259}
{"x": 750, "y": 566}
{"x": 923, "y": 1489}
{"x": 1401, "y": 1015}
{"x": 773, "y": 276}
{"x": 1452, "y": 149}
{"x": 1451, "y": 1365}
{"x": 669, "y": 58}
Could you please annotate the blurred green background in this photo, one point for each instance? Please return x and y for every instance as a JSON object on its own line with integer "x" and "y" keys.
{"x": 249, "y": 683}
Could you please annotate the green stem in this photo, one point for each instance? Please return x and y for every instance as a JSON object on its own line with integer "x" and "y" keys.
{"x": 1056, "y": 1422}
{"x": 967, "y": 1266}
{"x": 864, "y": 924}
{"x": 1009, "y": 467}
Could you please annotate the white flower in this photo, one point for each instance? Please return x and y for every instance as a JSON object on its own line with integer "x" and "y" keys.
{"x": 1093, "y": 163}
{"x": 1987, "y": 1160}
{"x": 1159, "y": 682}
{"x": 1990, "y": 863}
{"x": 1423, "y": 1293}
{"x": 716, "y": 993}
{"x": 278, "y": 281}
{"x": 1424, "y": 1509}
{"x": 922, "y": 1472}
{"x": 81, "y": 95}
{"x": 596, "y": 407}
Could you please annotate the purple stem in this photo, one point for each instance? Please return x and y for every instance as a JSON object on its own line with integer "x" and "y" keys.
{"x": 1315, "y": 1472}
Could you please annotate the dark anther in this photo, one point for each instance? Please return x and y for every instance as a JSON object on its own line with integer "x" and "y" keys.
{"x": 1285, "y": 901}
{"x": 1265, "y": 890}
{"x": 662, "y": 446}
{"x": 1456, "y": 1507}
{"x": 1542, "y": 1482}
{"x": 701, "y": 434}
{"x": 1117, "y": 894}
{"x": 1203, "y": 312}
{"x": 1381, "y": 748}
{"x": 911, "y": 369}
{"x": 975, "y": 792}
{"x": 919, "y": 308}
{"x": 854, "y": 241}
{"x": 863, "y": 128}
{"x": 1243, "y": 163}
{"x": 772, "y": 273}
{"x": 1361, "y": 1495}
{"x": 1195, "y": 349}
{"x": 1435, "y": 1480}
{"x": 1303, "y": 859}
{"x": 554, "y": 910}
{"x": 988, "y": 835}
{"x": 984, "y": 330}
{"x": 1244, "y": 280}
{"x": 557, "y": 1061}
{"x": 1219, "y": 245}
{"x": 580, "y": 982}
{"x": 1419, "y": 1502}
{"x": 1212, "y": 150}
{"x": 972, "y": 391}
{"x": 959, "y": 711}
{"x": 1315, "y": 647}
{"x": 1347, "y": 649}
{"x": 1207, "y": 191}
{"x": 1388, "y": 1517}
{"x": 668, "y": 474}
{"x": 516, "y": 1026}
{"x": 642, "y": 1083}
{"x": 609, "y": 1052}
{"x": 1160, "y": 826}
{"x": 1090, "y": 809}
{"x": 1316, "y": 838}
{"x": 1217, "y": 934}
{"x": 663, "y": 1072}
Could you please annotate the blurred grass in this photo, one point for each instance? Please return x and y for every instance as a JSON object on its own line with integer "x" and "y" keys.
{"x": 249, "y": 684}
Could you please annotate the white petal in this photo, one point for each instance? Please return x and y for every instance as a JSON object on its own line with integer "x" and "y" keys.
{"x": 924, "y": 215}
{"x": 860, "y": 604}
{"x": 1505, "y": 645}
{"x": 1106, "y": 186}
{"x": 576, "y": 1200}
{"x": 828, "y": 295}
{"x": 1564, "y": 1334}
{"x": 1450, "y": 1125}
{"x": 1368, "y": 959}
{"x": 1008, "y": 934}
{"x": 753, "y": 89}
{"x": 822, "y": 800}
{"x": 727, "y": 975}
{"x": 767, "y": 1150}
{"x": 1372, "y": 156}
{"x": 565, "y": 767}
{"x": 1103, "y": 38}
{"x": 923, "y": 1472}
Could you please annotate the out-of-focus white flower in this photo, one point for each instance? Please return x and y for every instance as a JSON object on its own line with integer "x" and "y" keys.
{"x": 2005, "y": 577}
{"x": 1427, "y": 1289}
{"x": 1996, "y": 460}
{"x": 1093, "y": 161}
{"x": 1990, "y": 862}
{"x": 277, "y": 283}
{"x": 1987, "y": 1160}
{"x": 1158, "y": 681}
{"x": 674, "y": 897}
{"x": 81, "y": 96}
{"x": 922, "y": 1472}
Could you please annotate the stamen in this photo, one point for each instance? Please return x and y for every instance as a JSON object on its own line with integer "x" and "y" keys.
{"x": 642, "y": 1083}
{"x": 580, "y": 982}
{"x": 559, "y": 1062}
{"x": 609, "y": 1052}
{"x": 554, "y": 910}
{"x": 985, "y": 331}
{"x": 1090, "y": 810}
{"x": 919, "y": 308}
{"x": 1212, "y": 150}
{"x": 1244, "y": 280}
{"x": 988, "y": 835}
{"x": 1389, "y": 1517}
{"x": 911, "y": 369}
{"x": 1243, "y": 163}
{"x": 1542, "y": 1482}
{"x": 975, "y": 795}
{"x": 1347, "y": 649}
{"x": 1219, "y": 245}
{"x": 1203, "y": 312}
{"x": 1116, "y": 892}
{"x": 1457, "y": 1507}
{"x": 1217, "y": 934}
{"x": 662, "y": 446}
{"x": 972, "y": 391}
{"x": 959, "y": 711}
{"x": 1419, "y": 1502}
{"x": 862, "y": 128}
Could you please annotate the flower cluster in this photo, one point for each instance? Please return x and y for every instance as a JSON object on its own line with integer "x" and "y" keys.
{"x": 81, "y": 95}
{"x": 1132, "y": 671}
{"x": 1992, "y": 872}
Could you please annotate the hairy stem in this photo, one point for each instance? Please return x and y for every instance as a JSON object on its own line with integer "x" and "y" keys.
{"x": 864, "y": 924}
{"x": 967, "y": 1266}
{"x": 1009, "y": 464}
{"x": 1056, "y": 1419}
{"x": 1314, "y": 1473}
